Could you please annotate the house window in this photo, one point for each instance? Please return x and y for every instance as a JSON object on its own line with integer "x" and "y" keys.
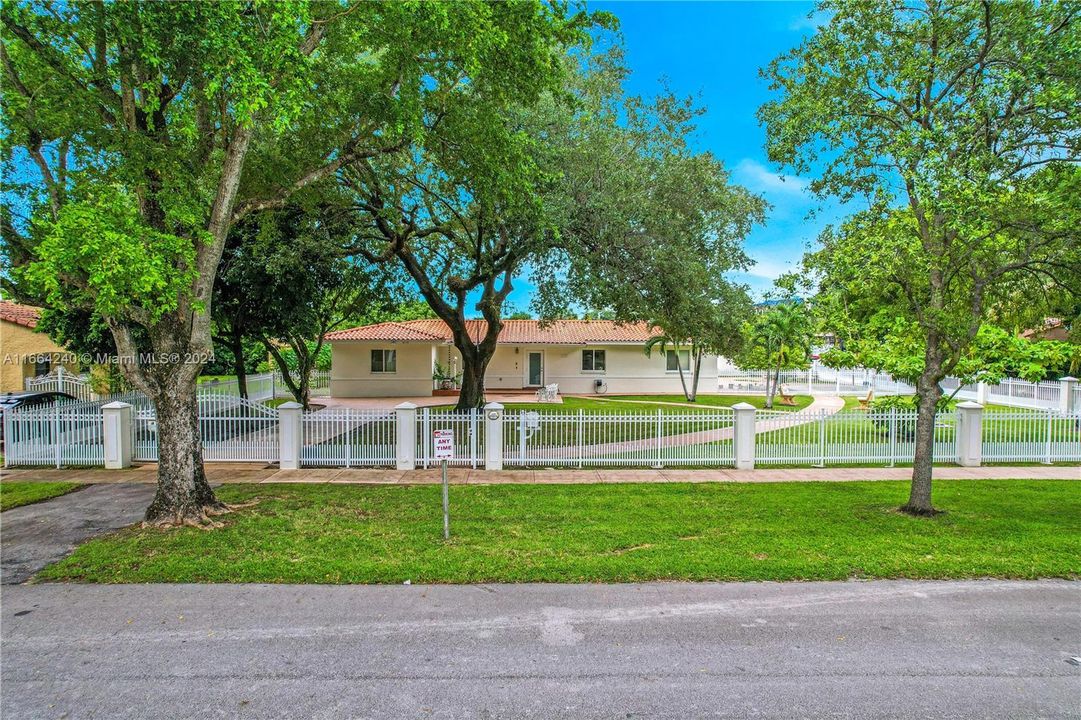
{"x": 384, "y": 361}
{"x": 593, "y": 360}
{"x": 678, "y": 360}
{"x": 42, "y": 367}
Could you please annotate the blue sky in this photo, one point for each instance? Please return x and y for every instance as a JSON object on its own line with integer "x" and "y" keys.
{"x": 714, "y": 50}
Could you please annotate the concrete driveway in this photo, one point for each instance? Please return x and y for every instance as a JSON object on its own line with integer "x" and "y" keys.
{"x": 895, "y": 649}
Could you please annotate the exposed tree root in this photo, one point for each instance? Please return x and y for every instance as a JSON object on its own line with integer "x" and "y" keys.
{"x": 201, "y": 518}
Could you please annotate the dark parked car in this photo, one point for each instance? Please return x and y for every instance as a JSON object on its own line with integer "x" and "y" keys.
{"x": 13, "y": 400}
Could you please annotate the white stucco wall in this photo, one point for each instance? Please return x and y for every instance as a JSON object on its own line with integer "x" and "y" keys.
{"x": 628, "y": 370}
{"x": 351, "y": 370}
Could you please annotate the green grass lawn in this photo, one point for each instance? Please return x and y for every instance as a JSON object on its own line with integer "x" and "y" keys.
{"x": 16, "y": 494}
{"x": 605, "y": 533}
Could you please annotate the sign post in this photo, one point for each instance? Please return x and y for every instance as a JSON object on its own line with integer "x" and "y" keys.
{"x": 443, "y": 445}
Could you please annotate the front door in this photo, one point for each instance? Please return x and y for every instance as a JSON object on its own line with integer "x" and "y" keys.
{"x": 536, "y": 369}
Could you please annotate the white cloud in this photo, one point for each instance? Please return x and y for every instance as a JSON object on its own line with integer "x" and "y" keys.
{"x": 758, "y": 177}
{"x": 808, "y": 21}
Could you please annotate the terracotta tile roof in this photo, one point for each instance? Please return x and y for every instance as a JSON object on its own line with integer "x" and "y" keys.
{"x": 515, "y": 332}
{"x": 25, "y": 315}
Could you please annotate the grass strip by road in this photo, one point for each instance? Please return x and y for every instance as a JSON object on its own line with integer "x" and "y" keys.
{"x": 605, "y": 533}
{"x": 17, "y": 494}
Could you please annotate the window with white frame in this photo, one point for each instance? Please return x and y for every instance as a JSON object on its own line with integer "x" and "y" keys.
{"x": 677, "y": 360}
{"x": 593, "y": 361}
{"x": 384, "y": 361}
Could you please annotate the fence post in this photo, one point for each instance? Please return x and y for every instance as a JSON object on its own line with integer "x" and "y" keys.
{"x": 493, "y": 436}
{"x": 743, "y": 435}
{"x": 969, "y": 434}
{"x": 406, "y": 417}
{"x": 810, "y": 389}
{"x": 289, "y": 435}
{"x": 1066, "y": 395}
{"x": 981, "y": 392}
{"x": 116, "y": 433}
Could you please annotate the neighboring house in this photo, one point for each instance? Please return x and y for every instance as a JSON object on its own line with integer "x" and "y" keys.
{"x": 1053, "y": 329}
{"x": 581, "y": 356}
{"x": 24, "y": 352}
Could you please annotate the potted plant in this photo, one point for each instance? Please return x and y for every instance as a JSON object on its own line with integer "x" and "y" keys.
{"x": 446, "y": 379}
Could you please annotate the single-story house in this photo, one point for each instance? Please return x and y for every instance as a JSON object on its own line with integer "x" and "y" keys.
{"x": 24, "y": 352}
{"x": 581, "y": 356}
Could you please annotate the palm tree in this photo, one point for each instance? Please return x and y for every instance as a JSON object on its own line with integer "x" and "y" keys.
{"x": 784, "y": 333}
{"x": 663, "y": 343}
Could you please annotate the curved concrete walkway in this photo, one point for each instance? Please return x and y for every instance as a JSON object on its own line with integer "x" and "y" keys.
{"x": 819, "y": 407}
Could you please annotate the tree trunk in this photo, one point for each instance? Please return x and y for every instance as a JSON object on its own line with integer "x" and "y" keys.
{"x": 183, "y": 495}
{"x": 771, "y": 388}
{"x": 236, "y": 344}
{"x": 474, "y": 366}
{"x": 928, "y": 393}
{"x": 682, "y": 379}
{"x": 695, "y": 377}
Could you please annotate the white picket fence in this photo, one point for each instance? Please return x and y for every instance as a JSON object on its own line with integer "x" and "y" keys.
{"x": 854, "y": 437}
{"x": 337, "y": 437}
{"x": 234, "y": 429}
{"x": 578, "y": 439}
{"x": 58, "y": 434}
{"x": 468, "y": 436}
{"x": 1029, "y": 436}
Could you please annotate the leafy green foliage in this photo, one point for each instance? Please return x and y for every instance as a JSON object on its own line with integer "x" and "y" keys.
{"x": 993, "y": 355}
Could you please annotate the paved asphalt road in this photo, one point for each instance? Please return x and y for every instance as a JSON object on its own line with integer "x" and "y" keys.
{"x": 39, "y": 534}
{"x": 898, "y": 649}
